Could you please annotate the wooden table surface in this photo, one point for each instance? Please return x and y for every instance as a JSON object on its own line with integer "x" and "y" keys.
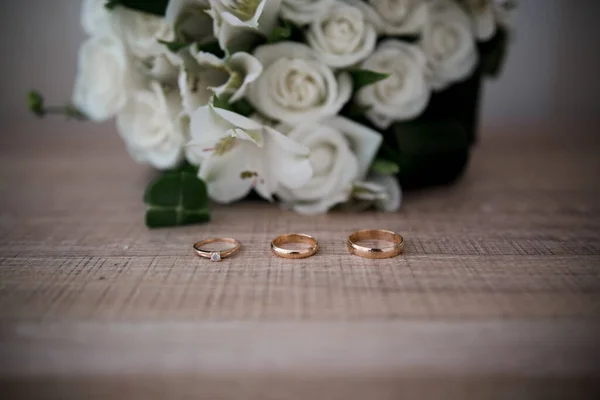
{"x": 496, "y": 296}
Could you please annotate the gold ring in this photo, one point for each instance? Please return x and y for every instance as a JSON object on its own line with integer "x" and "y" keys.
{"x": 396, "y": 247}
{"x": 216, "y": 255}
{"x": 294, "y": 238}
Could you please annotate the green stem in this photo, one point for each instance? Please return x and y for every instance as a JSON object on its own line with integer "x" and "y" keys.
{"x": 387, "y": 149}
{"x": 67, "y": 110}
{"x": 55, "y": 110}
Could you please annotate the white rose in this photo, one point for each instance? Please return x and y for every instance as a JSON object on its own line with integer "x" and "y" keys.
{"x": 303, "y": 12}
{"x": 105, "y": 78}
{"x": 395, "y": 17}
{"x": 482, "y": 16}
{"x": 150, "y": 128}
{"x": 204, "y": 74}
{"x": 296, "y": 86}
{"x": 504, "y": 11}
{"x": 239, "y": 154}
{"x": 341, "y": 37}
{"x": 235, "y": 20}
{"x": 487, "y": 15}
{"x": 140, "y": 32}
{"x": 404, "y": 94}
{"x": 95, "y": 18}
{"x": 449, "y": 45}
{"x": 341, "y": 152}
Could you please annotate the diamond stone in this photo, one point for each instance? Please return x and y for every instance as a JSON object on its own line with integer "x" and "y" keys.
{"x": 215, "y": 256}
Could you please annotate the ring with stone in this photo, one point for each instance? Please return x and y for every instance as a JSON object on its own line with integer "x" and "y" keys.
{"x": 201, "y": 250}
{"x": 280, "y": 244}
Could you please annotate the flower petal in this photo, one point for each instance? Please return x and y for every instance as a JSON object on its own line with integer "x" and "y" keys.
{"x": 321, "y": 206}
{"x": 287, "y": 160}
{"x": 393, "y": 199}
{"x": 249, "y": 67}
{"x": 243, "y": 69}
{"x": 237, "y": 120}
{"x": 364, "y": 141}
{"x": 207, "y": 127}
{"x": 268, "y": 54}
{"x": 223, "y": 173}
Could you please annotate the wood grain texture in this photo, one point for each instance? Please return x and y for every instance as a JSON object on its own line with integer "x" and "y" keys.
{"x": 497, "y": 293}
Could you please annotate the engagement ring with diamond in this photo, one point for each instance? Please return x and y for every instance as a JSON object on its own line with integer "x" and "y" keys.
{"x": 217, "y": 255}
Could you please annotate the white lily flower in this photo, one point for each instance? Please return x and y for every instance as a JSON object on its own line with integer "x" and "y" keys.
{"x": 198, "y": 73}
{"x": 234, "y": 20}
{"x": 239, "y": 154}
{"x": 190, "y": 20}
{"x": 243, "y": 69}
{"x": 203, "y": 74}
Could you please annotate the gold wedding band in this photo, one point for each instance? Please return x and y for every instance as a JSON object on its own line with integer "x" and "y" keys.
{"x": 396, "y": 244}
{"x": 216, "y": 255}
{"x": 294, "y": 238}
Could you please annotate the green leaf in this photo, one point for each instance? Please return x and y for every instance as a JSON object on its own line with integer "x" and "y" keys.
{"x": 156, "y": 7}
{"x": 365, "y": 77}
{"x": 281, "y": 32}
{"x": 212, "y": 48}
{"x": 430, "y": 137}
{"x": 187, "y": 167}
{"x": 431, "y": 152}
{"x": 243, "y": 107}
{"x": 174, "y": 47}
{"x": 459, "y": 102}
{"x": 209, "y": 47}
{"x": 35, "y": 103}
{"x": 384, "y": 167}
{"x": 354, "y": 111}
{"x": 221, "y": 102}
{"x": 493, "y": 53}
{"x": 176, "y": 198}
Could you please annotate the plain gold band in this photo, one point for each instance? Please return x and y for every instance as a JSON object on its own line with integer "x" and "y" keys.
{"x": 396, "y": 247}
{"x": 294, "y": 238}
{"x": 212, "y": 254}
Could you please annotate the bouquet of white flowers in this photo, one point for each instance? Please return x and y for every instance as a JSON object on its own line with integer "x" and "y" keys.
{"x": 313, "y": 103}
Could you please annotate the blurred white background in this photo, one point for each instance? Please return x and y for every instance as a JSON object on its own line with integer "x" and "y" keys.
{"x": 550, "y": 73}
